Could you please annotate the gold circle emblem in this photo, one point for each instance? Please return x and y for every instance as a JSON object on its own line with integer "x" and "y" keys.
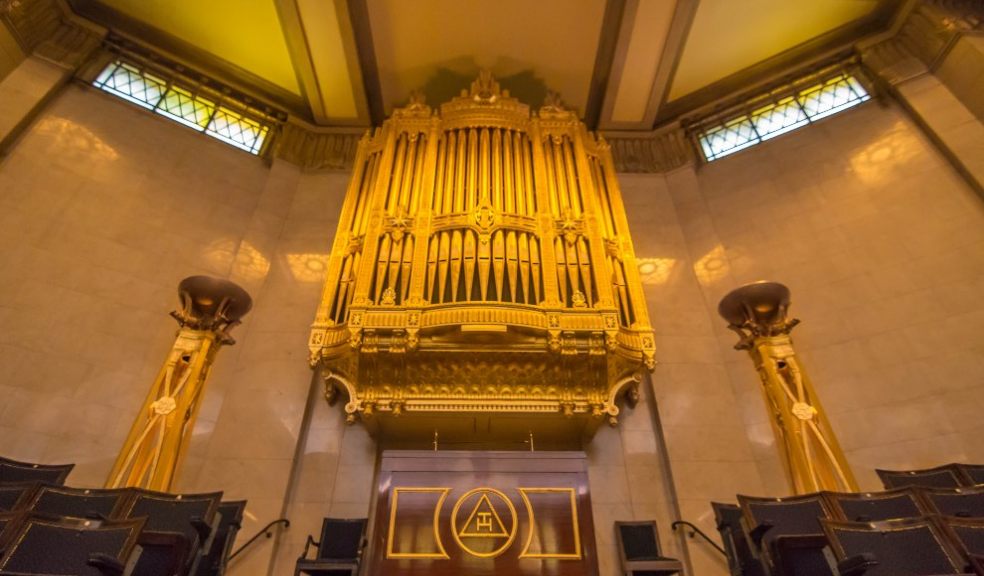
{"x": 803, "y": 411}
{"x": 164, "y": 406}
{"x": 484, "y": 529}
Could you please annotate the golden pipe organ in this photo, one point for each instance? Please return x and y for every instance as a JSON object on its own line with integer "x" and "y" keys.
{"x": 482, "y": 267}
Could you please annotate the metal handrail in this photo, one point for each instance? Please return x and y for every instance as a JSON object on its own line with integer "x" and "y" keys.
{"x": 264, "y": 530}
{"x": 694, "y": 531}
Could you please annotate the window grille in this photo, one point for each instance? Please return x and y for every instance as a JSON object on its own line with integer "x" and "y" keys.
{"x": 183, "y": 106}
{"x": 780, "y": 116}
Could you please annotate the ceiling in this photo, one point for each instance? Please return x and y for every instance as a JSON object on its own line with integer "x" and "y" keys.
{"x": 623, "y": 64}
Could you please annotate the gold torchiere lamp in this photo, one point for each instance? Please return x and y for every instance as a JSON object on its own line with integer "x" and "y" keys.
{"x": 158, "y": 439}
{"x": 810, "y": 453}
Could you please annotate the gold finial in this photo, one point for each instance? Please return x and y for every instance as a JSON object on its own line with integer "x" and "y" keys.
{"x": 417, "y": 100}
{"x": 757, "y": 309}
{"x": 485, "y": 89}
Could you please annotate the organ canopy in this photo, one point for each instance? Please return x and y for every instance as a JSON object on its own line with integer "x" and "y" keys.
{"x": 482, "y": 273}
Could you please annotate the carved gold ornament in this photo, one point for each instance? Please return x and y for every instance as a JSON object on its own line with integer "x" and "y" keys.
{"x": 152, "y": 453}
{"x": 808, "y": 448}
{"x": 482, "y": 265}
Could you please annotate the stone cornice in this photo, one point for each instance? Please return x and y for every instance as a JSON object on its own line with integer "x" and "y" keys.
{"x": 657, "y": 151}
{"x": 923, "y": 40}
{"x": 49, "y": 30}
{"x": 317, "y": 148}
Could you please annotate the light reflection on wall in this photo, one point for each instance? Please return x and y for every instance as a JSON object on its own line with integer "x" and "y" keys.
{"x": 712, "y": 266}
{"x": 308, "y": 267}
{"x": 221, "y": 253}
{"x": 762, "y": 436}
{"x": 75, "y": 137}
{"x": 878, "y": 160}
{"x": 250, "y": 264}
{"x": 655, "y": 271}
{"x": 244, "y": 259}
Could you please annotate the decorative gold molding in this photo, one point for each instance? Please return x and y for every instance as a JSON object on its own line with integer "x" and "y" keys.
{"x": 441, "y": 553}
{"x": 575, "y": 529}
{"x": 482, "y": 265}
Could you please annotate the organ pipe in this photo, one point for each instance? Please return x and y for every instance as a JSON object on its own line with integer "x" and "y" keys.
{"x": 485, "y": 229}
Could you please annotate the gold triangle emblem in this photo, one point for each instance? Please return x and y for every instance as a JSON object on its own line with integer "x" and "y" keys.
{"x": 487, "y": 523}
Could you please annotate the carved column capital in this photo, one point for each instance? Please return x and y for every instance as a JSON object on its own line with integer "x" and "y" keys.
{"x": 650, "y": 152}
{"x": 315, "y": 148}
{"x": 924, "y": 38}
{"x": 47, "y": 30}
{"x": 892, "y": 61}
{"x": 757, "y": 310}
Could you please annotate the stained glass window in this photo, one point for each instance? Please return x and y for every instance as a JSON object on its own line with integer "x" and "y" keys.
{"x": 233, "y": 128}
{"x": 781, "y": 116}
{"x": 130, "y": 83}
{"x": 184, "y": 106}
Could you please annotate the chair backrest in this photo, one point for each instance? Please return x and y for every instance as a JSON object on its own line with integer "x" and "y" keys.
{"x": 974, "y": 472}
{"x": 174, "y": 512}
{"x": 341, "y": 538}
{"x": 9, "y": 523}
{"x": 790, "y": 516}
{"x": 17, "y": 495}
{"x": 967, "y": 533}
{"x": 875, "y": 506}
{"x": 741, "y": 560}
{"x": 14, "y": 471}
{"x": 51, "y": 545}
{"x": 637, "y": 541}
{"x": 909, "y": 547}
{"x": 225, "y": 536}
{"x": 79, "y": 502}
{"x": 162, "y": 554}
{"x": 946, "y": 476}
{"x": 962, "y": 502}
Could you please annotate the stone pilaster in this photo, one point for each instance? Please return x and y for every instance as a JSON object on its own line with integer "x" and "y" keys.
{"x": 933, "y": 66}
{"x": 57, "y": 43}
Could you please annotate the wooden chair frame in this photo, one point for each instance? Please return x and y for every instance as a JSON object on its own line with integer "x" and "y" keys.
{"x": 210, "y": 520}
{"x": 27, "y": 497}
{"x": 830, "y": 527}
{"x": 63, "y": 469}
{"x": 664, "y": 566}
{"x": 947, "y": 523}
{"x": 958, "y": 474}
{"x": 834, "y": 500}
{"x": 117, "y": 512}
{"x": 930, "y": 505}
{"x": 15, "y": 537}
{"x": 750, "y": 524}
{"x": 324, "y": 564}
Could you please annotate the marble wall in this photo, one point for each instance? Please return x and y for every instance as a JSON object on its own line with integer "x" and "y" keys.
{"x": 105, "y": 207}
{"x": 10, "y": 53}
{"x": 882, "y": 245}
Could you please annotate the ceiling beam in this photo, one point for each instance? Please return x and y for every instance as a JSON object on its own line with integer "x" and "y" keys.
{"x": 676, "y": 40}
{"x": 607, "y": 43}
{"x": 359, "y": 15}
{"x": 757, "y": 76}
{"x": 192, "y": 57}
{"x": 300, "y": 57}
